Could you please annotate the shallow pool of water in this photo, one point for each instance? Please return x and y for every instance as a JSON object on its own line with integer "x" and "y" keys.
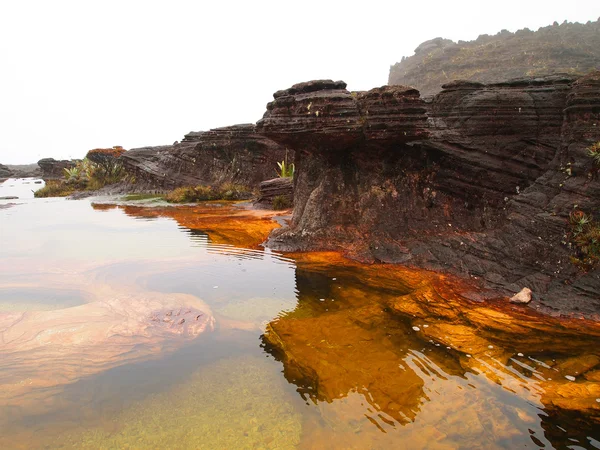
{"x": 131, "y": 327}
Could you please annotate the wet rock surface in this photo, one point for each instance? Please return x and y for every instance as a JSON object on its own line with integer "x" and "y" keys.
{"x": 230, "y": 154}
{"x": 478, "y": 181}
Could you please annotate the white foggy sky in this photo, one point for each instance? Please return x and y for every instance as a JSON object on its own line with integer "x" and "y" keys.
{"x": 76, "y": 75}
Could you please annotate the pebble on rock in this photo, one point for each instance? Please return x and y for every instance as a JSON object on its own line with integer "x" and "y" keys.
{"x": 523, "y": 296}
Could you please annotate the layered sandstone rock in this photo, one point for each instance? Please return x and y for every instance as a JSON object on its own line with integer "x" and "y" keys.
{"x": 230, "y": 154}
{"x": 478, "y": 181}
{"x": 269, "y": 190}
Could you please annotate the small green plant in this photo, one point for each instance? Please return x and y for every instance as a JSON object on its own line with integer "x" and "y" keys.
{"x": 72, "y": 174}
{"x": 281, "y": 202}
{"x": 286, "y": 170}
{"x": 594, "y": 153}
{"x": 585, "y": 237}
{"x": 54, "y": 188}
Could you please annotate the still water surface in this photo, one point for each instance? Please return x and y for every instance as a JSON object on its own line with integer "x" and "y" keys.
{"x": 137, "y": 327}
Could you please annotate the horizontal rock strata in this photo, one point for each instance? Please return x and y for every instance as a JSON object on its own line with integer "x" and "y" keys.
{"x": 277, "y": 187}
{"x": 230, "y": 154}
{"x": 479, "y": 181}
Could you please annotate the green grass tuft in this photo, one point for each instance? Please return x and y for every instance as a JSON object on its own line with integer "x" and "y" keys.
{"x": 585, "y": 238}
{"x": 281, "y": 202}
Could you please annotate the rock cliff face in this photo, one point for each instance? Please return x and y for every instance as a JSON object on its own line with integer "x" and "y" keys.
{"x": 572, "y": 48}
{"x": 230, "y": 154}
{"x": 479, "y": 181}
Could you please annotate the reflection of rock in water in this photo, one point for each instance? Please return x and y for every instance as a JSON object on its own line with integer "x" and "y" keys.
{"x": 232, "y": 404}
{"x": 450, "y": 371}
{"x": 354, "y": 350}
{"x": 223, "y": 224}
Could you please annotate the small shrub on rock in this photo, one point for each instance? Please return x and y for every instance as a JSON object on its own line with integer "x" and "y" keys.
{"x": 104, "y": 166}
{"x": 281, "y": 202}
{"x": 231, "y": 191}
{"x": 192, "y": 194}
{"x": 594, "y": 154}
{"x": 585, "y": 237}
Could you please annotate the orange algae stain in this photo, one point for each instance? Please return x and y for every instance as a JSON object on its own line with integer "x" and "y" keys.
{"x": 226, "y": 224}
{"x": 360, "y": 340}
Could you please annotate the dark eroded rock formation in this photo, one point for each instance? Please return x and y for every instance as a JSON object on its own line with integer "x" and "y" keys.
{"x": 230, "y": 154}
{"x": 52, "y": 168}
{"x": 480, "y": 181}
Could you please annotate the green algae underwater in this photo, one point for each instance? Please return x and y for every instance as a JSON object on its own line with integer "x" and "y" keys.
{"x": 297, "y": 351}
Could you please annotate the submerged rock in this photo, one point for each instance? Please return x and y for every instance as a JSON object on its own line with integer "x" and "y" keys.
{"x": 54, "y": 348}
{"x": 236, "y": 403}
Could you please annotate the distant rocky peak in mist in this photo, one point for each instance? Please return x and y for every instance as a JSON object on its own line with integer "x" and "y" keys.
{"x": 570, "y": 48}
